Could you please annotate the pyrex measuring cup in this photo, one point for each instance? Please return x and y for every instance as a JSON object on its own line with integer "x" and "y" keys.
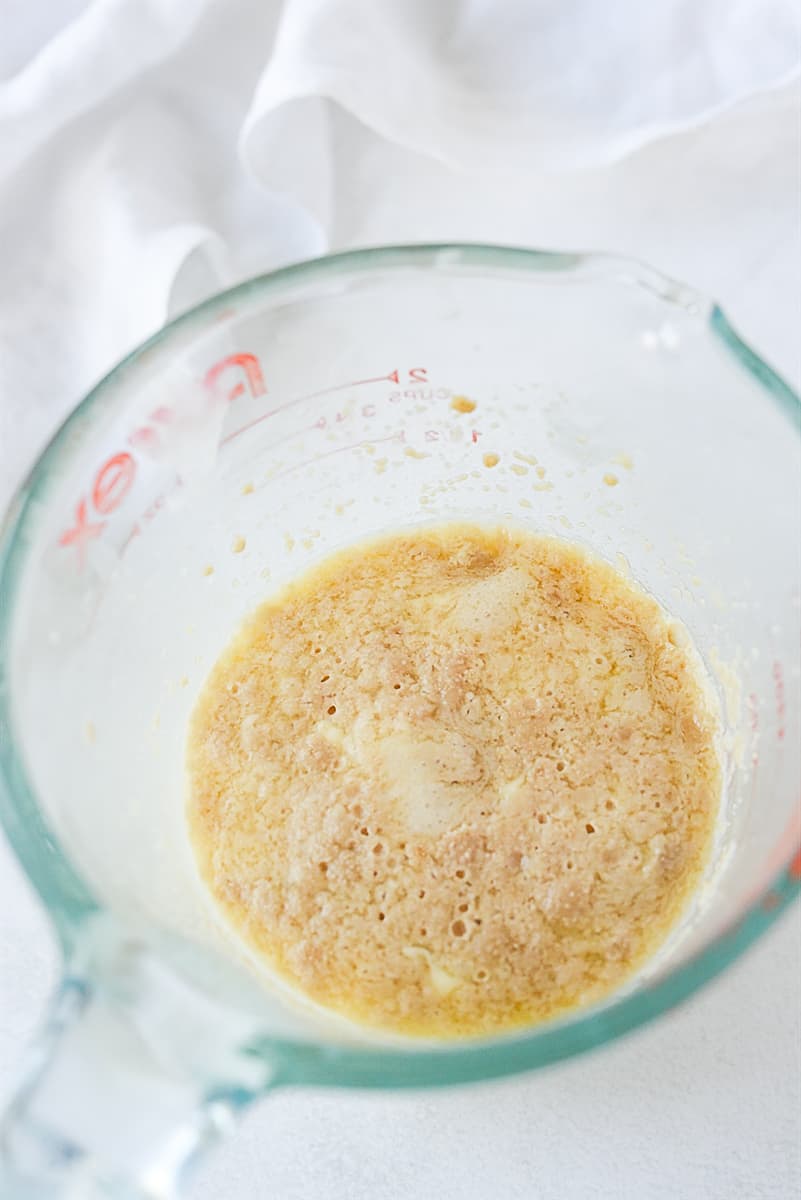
{"x": 288, "y": 417}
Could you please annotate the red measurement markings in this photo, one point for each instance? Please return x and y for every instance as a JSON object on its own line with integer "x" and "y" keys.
{"x": 419, "y": 393}
{"x": 110, "y": 487}
{"x": 115, "y": 478}
{"x": 392, "y": 437}
{"x": 434, "y": 435}
{"x": 113, "y": 482}
{"x": 368, "y": 410}
{"x": 323, "y": 423}
{"x": 245, "y": 365}
{"x": 781, "y": 707}
{"x": 795, "y": 867}
{"x": 145, "y": 438}
{"x": 785, "y": 854}
{"x": 319, "y": 424}
{"x": 150, "y": 513}
{"x": 789, "y": 839}
{"x": 416, "y": 373}
{"x": 81, "y": 532}
{"x": 148, "y": 437}
{"x": 230, "y": 378}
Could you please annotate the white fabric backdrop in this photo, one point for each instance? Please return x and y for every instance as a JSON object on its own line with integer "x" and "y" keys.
{"x": 152, "y": 150}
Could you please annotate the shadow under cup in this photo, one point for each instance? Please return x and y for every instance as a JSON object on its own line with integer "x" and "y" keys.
{"x": 312, "y": 408}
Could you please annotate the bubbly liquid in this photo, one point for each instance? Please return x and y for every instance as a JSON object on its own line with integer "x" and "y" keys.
{"x": 455, "y": 780}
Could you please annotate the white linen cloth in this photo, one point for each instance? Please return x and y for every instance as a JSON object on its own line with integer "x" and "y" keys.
{"x": 154, "y": 150}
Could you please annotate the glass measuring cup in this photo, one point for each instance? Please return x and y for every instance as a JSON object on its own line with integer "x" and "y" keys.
{"x": 284, "y": 419}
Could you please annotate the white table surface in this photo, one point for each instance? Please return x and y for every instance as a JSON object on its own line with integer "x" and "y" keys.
{"x": 707, "y": 1102}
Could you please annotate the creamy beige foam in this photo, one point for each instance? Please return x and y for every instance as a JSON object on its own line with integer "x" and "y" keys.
{"x": 455, "y": 780}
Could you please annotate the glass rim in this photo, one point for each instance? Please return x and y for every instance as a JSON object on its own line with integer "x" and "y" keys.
{"x": 68, "y": 898}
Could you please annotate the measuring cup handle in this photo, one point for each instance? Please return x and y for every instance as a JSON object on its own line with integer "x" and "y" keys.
{"x": 134, "y": 1075}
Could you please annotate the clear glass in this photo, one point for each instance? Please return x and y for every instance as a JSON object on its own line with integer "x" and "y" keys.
{"x": 293, "y": 415}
